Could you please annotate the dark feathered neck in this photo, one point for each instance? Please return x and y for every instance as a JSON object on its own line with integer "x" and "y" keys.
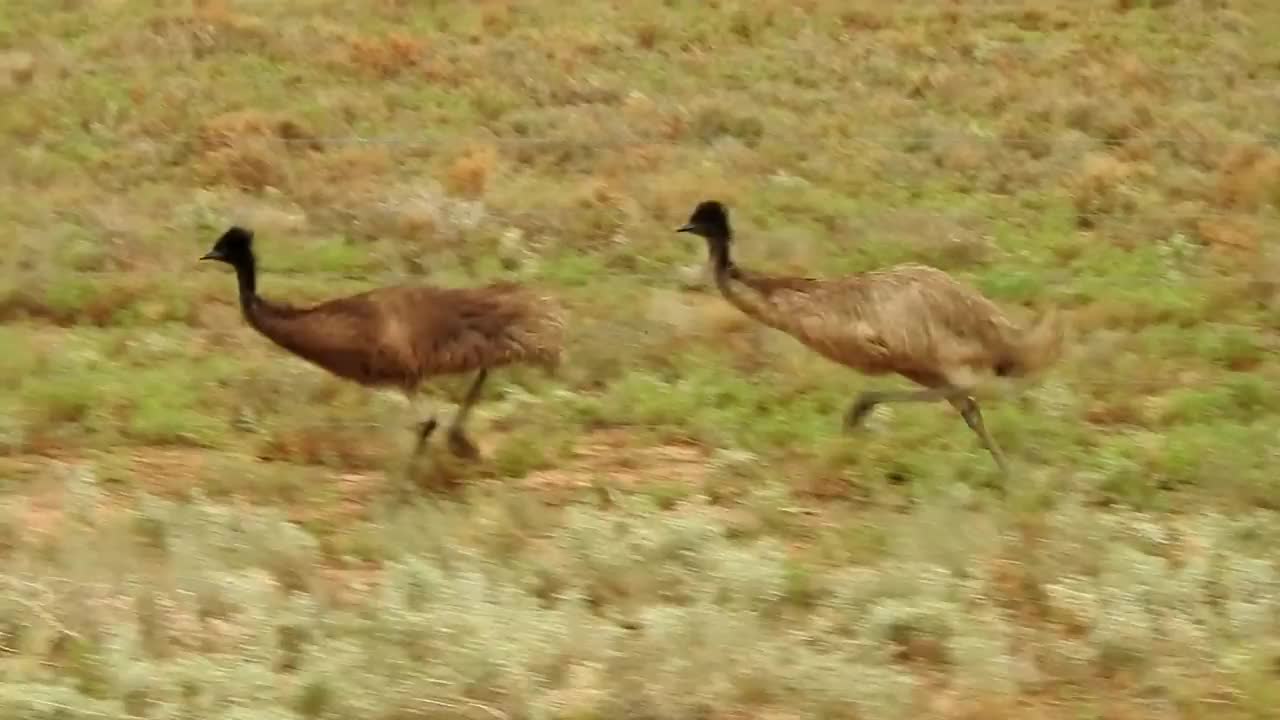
{"x": 262, "y": 314}
{"x": 247, "y": 277}
{"x": 721, "y": 258}
{"x": 754, "y": 295}
{"x": 276, "y": 321}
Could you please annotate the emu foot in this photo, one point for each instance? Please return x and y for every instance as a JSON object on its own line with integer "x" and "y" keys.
{"x": 424, "y": 430}
{"x": 462, "y": 446}
{"x": 859, "y": 411}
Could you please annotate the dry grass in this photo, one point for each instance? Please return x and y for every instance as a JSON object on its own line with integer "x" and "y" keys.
{"x": 197, "y": 525}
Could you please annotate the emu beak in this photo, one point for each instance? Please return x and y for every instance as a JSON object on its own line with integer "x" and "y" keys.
{"x": 687, "y": 227}
{"x": 211, "y": 255}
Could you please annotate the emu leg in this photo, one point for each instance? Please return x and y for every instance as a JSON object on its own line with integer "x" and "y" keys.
{"x": 424, "y": 419}
{"x": 972, "y": 415}
{"x": 458, "y": 441}
{"x": 865, "y": 402}
{"x": 422, "y": 429}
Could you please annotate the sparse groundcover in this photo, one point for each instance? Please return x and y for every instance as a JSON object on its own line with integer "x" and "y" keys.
{"x": 197, "y": 525}
{"x": 501, "y": 606}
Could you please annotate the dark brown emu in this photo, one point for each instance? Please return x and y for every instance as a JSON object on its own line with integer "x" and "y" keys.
{"x": 909, "y": 319}
{"x": 399, "y": 336}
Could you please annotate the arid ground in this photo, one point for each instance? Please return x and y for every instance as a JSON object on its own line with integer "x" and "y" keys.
{"x": 195, "y": 524}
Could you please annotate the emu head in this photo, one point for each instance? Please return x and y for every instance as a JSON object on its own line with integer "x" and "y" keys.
{"x": 710, "y": 220}
{"x": 235, "y": 247}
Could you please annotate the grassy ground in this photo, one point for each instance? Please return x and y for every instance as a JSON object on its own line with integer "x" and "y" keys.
{"x": 196, "y": 525}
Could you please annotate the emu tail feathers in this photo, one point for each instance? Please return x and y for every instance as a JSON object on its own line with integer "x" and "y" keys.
{"x": 1038, "y": 347}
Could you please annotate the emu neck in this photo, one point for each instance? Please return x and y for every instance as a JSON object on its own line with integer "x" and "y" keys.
{"x": 277, "y": 322}
{"x": 247, "y": 277}
{"x": 741, "y": 288}
{"x": 729, "y": 279}
{"x": 721, "y": 261}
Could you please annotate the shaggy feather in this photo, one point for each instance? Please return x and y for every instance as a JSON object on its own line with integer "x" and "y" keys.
{"x": 910, "y": 319}
{"x": 399, "y": 336}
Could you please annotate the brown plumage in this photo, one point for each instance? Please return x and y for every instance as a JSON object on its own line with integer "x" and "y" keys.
{"x": 912, "y": 320}
{"x": 399, "y": 336}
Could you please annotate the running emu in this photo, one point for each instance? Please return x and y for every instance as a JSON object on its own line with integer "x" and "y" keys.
{"x": 910, "y": 319}
{"x": 400, "y": 336}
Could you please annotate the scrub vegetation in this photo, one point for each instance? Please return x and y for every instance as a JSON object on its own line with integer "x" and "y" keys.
{"x": 195, "y": 524}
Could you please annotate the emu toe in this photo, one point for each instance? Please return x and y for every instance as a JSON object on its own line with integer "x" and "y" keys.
{"x": 858, "y": 413}
{"x": 425, "y": 428}
{"x": 423, "y": 431}
{"x": 461, "y": 445}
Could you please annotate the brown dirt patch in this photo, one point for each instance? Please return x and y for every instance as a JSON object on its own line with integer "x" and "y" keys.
{"x": 613, "y": 455}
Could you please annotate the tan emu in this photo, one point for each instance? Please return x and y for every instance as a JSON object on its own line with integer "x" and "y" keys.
{"x": 910, "y": 319}
{"x": 399, "y": 336}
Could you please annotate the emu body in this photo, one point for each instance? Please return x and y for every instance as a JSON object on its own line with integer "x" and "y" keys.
{"x": 399, "y": 336}
{"x": 912, "y": 320}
